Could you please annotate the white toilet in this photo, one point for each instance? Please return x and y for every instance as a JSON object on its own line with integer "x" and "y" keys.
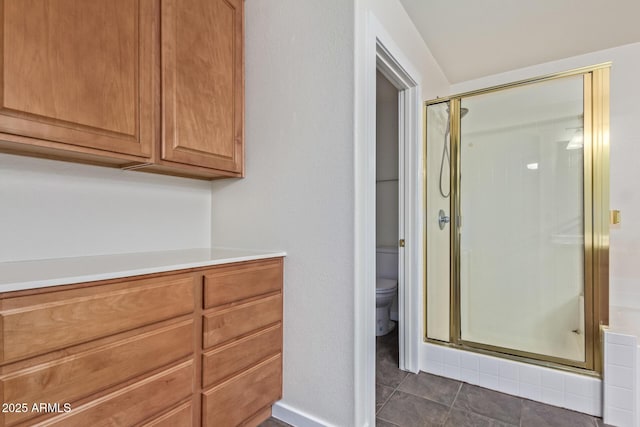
{"x": 386, "y": 287}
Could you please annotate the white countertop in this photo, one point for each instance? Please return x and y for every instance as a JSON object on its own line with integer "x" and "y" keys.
{"x": 22, "y": 275}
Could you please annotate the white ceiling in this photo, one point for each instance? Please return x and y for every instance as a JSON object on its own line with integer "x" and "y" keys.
{"x": 476, "y": 38}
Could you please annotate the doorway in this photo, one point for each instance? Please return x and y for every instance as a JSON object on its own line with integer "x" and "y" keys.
{"x": 382, "y": 54}
{"x": 389, "y": 229}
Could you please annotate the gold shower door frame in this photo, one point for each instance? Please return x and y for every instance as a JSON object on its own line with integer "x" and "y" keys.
{"x": 596, "y": 223}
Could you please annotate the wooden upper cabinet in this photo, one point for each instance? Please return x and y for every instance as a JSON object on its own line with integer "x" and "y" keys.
{"x": 202, "y": 83}
{"x": 80, "y": 73}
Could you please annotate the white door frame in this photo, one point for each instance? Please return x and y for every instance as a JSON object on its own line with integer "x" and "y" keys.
{"x": 381, "y": 53}
{"x": 389, "y": 67}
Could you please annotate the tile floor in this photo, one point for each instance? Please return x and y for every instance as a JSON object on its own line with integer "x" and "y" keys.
{"x": 424, "y": 400}
{"x": 272, "y": 422}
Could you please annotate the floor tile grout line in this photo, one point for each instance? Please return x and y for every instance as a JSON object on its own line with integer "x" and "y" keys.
{"x": 405, "y": 377}
{"x": 385, "y": 401}
{"x": 387, "y": 421}
{"x": 521, "y": 410}
{"x": 392, "y": 392}
{"x": 457, "y": 393}
{"x": 452, "y": 402}
{"x": 421, "y": 397}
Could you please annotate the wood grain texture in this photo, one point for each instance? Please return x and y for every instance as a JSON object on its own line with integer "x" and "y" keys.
{"x": 232, "y": 284}
{"x": 221, "y": 326}
{"x": 132, "y": 404}
{"x": 43, "y": 322}
{"x": 19, "y": 145}
{"x": 203, "y": 83}
{"x": 79, "y": 72}
{"x": 225, "y": 361}
{"x": 79, "y": 375}
{"x": 179, "y": 416}
{"x": 197, "y": 343}
{"x": 258, "y": 418}
{"x": 236, "y": 400}
{"x": 188, "y": 171}
{"x": 115, "y": 374}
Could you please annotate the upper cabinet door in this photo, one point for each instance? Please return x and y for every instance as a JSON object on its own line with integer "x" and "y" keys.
{"x": 79, "y": 72}
{"x": 202, "y": 83}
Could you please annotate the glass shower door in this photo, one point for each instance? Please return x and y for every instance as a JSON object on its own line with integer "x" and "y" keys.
{"x": 521, "y": 220}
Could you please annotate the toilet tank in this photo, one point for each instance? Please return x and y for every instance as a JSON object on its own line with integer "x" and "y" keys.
{"x": 387, "y": 262}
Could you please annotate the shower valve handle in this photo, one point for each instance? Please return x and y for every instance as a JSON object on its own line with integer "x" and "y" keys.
{"x": 442, "y": 219}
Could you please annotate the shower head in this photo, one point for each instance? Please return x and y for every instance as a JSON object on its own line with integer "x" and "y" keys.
{"x": 463, "y": 111}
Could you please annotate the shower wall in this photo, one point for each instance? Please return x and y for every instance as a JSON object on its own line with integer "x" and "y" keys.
{"x": 527, "y": 258}
{"x": 522, "y": 245}
{"x": 437, "y": 240}
{"x": 520, "y": 223}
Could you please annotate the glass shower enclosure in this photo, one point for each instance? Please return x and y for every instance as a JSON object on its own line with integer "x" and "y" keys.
{"x": 517, "y": 219}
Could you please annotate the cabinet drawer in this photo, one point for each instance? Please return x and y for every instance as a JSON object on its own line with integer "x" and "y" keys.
{"x": 235, "y": 400}
{"x": 134, "y": 403}
{"x": 258, "y": 418}
{"x": 224, "y": 325}
{"x": 222, "y": 362}
{"x": 181, "y": 416}
{"x": 40, "y": 323}
{"x": 230, "y": 284}
{"x": 82, "y": 374}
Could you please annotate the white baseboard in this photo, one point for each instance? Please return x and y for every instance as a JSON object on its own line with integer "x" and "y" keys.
{"x": 295, "y": 417}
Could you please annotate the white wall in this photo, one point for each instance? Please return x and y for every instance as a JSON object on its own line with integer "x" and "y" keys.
{"x": 298, "y": 192}
{"x": 399, "y": 26}
{"x": 386, "y": 162}
{"x": 298, "y": 195}
{"x": 625, "y": 155}
{"x": 396, "y": 23}
{"x": 53, "y": 209}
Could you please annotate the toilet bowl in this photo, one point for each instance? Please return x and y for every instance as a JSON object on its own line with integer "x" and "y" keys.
{"x": 385, "y": 291}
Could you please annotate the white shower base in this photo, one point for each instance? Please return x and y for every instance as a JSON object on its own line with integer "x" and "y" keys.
{"x": 551, "y": 386}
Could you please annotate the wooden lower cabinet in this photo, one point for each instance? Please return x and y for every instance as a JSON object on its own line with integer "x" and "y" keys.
{"x": 144, "y": 350}
{"x": 228, "y": 403}
{"x": 227, "y": 360}
{"x": 181, "y": 416}
{"x": 132, "y": 404}
{"x": 81, "y": 374}
{"x": 242, "y": 343}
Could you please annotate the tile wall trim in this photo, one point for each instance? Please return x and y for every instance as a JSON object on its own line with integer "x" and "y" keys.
{"x": 551, "y": 386}
{"x": 621, "y": 380}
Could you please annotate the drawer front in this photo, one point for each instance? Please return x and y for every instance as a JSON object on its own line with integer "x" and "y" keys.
{"x": 48, "y": 322}
{"x": 79, "y": 375}
{"x": 235, "y": 400}
{"x": 229, "y": 284}
{"x": 224, "y": 325}
{"x": 258, "y": 418}
{"x": 134, "y": 403}
{"x": 181, "y": 416}
{"x": 231, "y": 359}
